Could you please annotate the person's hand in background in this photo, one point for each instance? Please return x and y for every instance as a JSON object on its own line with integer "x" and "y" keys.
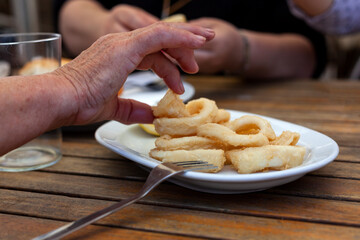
{"x": 82, "y": 22}
{"x": 125, "y": 18}
{"x": 224, "y": 52}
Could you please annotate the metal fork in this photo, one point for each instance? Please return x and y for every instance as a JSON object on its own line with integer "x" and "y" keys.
{"x": 160, "y": 173}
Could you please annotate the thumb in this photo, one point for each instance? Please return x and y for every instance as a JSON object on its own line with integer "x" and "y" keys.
{"x": 130, "y": 111}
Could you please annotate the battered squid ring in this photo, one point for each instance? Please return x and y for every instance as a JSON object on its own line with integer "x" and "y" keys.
{"x": 170, "y": 106}
{"x": 222, "y": 116}
{"x": 186, "y": 143}
{"x": 248, "y": 123}
{"x": 286, "y": 138}
{"x": 201, "y": 111}
{"x": 228, "y": 136}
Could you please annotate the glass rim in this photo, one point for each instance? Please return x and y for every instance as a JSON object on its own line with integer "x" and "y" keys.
{"x": 50, "y": 37}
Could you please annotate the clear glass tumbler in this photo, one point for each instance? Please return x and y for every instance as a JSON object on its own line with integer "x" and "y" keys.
{"x": 31, "y": 54}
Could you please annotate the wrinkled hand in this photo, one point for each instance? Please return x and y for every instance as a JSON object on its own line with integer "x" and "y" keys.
{"x": 125, "y": 18}
{"x": 99, "y": 72}
{"x": 224, "y": 52}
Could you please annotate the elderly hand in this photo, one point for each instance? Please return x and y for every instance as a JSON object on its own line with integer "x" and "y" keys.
{"x": 224, "y": 53}
{"x": 124, "y": 18}
{"x": 99, "y": 72}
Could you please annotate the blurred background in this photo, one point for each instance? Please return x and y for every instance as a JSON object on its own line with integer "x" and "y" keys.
{"x": 26, "y": 16}
{"x": 37, "y": 16}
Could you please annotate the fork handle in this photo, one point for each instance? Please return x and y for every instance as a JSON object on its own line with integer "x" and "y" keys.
{"x": 150, "y": 183}
{"x": 82, "y": 222}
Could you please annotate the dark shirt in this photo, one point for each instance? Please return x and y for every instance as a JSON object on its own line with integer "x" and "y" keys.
{"x": 257, "y": 15}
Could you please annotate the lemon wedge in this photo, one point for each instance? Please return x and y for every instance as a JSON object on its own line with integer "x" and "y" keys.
{"x": 149, "y": 128}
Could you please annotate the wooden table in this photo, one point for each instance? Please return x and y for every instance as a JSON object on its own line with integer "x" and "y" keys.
{"x": 324, "y": 204}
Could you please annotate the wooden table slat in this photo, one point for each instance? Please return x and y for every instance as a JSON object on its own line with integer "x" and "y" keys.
{"x": 321, "y": 187}
{"x": 170, "y": 220}
{"x": 32, "y": 227}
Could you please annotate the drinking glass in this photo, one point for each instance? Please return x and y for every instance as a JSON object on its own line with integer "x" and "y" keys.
{"x": 31, "y": 54}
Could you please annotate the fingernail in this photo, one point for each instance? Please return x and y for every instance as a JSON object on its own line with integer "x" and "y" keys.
{"x": 210, "y": 30}
{"x": 181, "y": 87}
{"x": 201, "y": 38}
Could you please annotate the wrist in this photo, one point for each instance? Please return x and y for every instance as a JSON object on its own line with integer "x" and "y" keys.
{"x": 240, "y": 62}
{"x": 245, "y": 53}
{"x": 66, "y": 99}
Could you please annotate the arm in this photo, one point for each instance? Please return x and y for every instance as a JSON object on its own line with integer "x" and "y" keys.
{"x": 85, "y": 90}
{"x": 268, "y": 55}
{"x": 328, "y": 16}
{"x": 82, "y": 22}
{"x": 279, "y": 56}
{"x": 313, "y": 8}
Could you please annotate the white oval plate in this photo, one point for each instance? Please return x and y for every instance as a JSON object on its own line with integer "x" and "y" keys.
{"x": 133, "y": 143}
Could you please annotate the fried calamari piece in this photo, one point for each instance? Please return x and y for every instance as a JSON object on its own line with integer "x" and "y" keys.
{"x": 222, "y": 116}
{"x": 270, "y": 157}
{"x": 166, "y": 142}
{"x": 252, "y": 124}
{"x": 286, "y": 138}
{"x": 227, "y": 136}
{"x": 201, "y": 111}
{"x": 213, "y": 156}
{"x": 170, "y": 106}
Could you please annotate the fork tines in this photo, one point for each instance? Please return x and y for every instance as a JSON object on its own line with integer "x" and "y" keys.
{"x": 195, "y": 165}
{"x": 185, "y": 163}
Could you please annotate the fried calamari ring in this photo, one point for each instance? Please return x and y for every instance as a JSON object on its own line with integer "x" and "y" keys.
{"x": 249, "y": 124}
{"x": 224, "y": 134}
{"x": 270, "y": 157}
{"x": 212, "y": 156}
{"x": 170, "y": 106}
{"x": 202, "y": 111}
{"x": 222, "y": 116}
{"x": 186, "y": 143}
{"x": 286, "y": 138}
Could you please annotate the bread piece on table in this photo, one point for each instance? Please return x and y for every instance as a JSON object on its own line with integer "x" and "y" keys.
{"x": 39, "y": 66}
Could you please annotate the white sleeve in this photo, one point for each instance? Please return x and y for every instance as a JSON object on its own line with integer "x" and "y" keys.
{"x": 343, "y": 17}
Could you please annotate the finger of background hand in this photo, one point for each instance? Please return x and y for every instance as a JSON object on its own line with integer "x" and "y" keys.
{"x": 117, "y": 27}
{"x": 206, "y": 32}
{"x": 209, "y": 45}
{"x": 204, "y": 22}
{"x": 130, "y": 111}
{"x": 142, "y": 19}
{"x": 203, "y": 55}
{"x": 185, "y": 58}
{"x": 207, "y": 61}
{"x": 165, "y": 69}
